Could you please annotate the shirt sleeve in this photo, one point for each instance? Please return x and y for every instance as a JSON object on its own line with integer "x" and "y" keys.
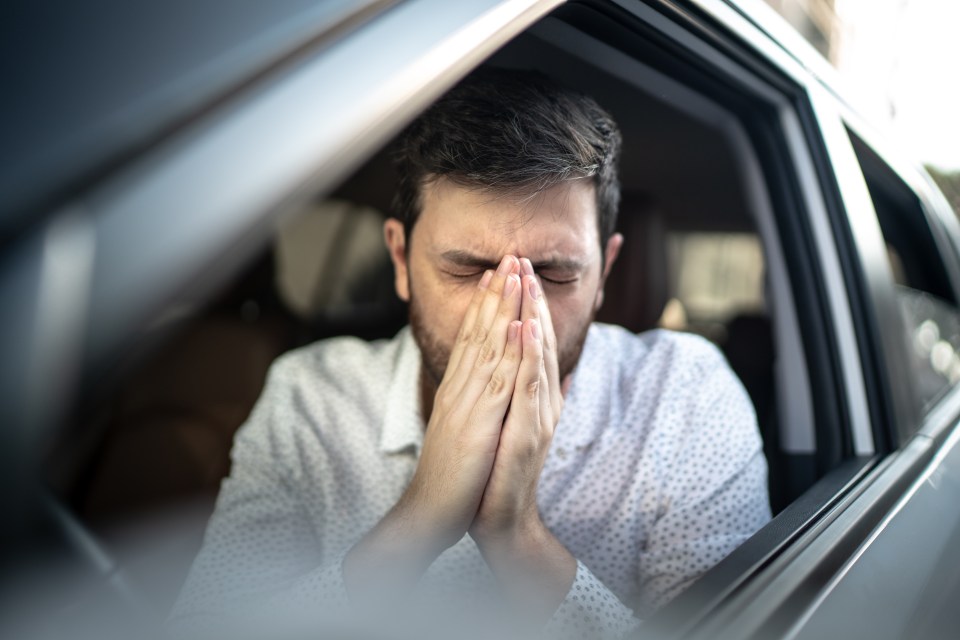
{"x": 260, "y": 549}
{"x": 590, "y": 610}
{"x": 714, "y": 488}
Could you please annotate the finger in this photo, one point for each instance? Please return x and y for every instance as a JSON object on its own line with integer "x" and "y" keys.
{"x": 476, "y": 339}
{"x": 551, "y": 355}
{"x": 534, "y": 306}
{"x": 531, "y": 291}
{"x": 498, "y": 391}
{"x": 494, "y": 347}
{"x": 526, "y": 267}
{"x": 546, "y": 405}
{"x": 487, "y": 310}
{"x": 466, "y": 326}
{"x": 525, "y": 404}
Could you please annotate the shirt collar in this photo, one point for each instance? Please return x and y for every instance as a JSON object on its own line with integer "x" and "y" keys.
{"x": 403, "y": 422}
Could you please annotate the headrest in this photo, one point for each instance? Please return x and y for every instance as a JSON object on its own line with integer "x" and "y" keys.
{"x": 331, "y": 261}
{"x": 638, "y": 287}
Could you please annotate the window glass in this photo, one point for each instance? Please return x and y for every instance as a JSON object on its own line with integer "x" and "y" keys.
{"x": 934, "y": 337}
{"x": 928, "y": 305}
{"x": 949, "y": 183}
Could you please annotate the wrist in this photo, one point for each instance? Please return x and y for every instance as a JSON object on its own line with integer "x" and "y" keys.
{"x": 516, "y": 542}
{"x": 416, "y": 531}
{"x": 432, "y": 525}
{"x": 531, "y": 565}
{"x": 392, "y": 556}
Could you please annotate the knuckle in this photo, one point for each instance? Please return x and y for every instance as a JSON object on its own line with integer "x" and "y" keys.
{"x": 443, "y": 403}
{"x": 480, "y": 335}
{"x": 487, "y": 353}
{"x": 533, "y": 389}
{"x": 497, "y": 384}
{"x": 549, "y": 429}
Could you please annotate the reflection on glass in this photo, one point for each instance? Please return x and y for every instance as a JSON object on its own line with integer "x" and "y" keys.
{"x": 926, "y": 335}
{"x": 934, "y": 329}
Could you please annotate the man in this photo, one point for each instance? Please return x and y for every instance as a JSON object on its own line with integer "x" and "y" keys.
{"x": 577, "y": 470}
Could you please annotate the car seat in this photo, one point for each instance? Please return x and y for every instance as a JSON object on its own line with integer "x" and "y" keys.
{"x": 637, "y": 289}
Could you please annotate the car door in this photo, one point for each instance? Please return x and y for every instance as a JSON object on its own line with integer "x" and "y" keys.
{"x": 899, "y": 581}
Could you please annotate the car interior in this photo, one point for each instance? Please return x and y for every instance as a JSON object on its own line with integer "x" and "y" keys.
{"x": 702, "y": 253}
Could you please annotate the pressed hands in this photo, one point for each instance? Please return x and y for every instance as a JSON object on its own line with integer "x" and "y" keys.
{"x": 488, "y": 435}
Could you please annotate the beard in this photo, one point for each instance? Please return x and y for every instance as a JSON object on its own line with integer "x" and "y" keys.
{"x": 435, "y": 353}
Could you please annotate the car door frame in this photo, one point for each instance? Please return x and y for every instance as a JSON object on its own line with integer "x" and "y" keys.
{"x": 782, "y": 596}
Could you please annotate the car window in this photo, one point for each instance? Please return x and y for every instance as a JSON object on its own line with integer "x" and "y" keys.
{"x": 710, "y": 250}
{"x": 922, "y": 286}
{"x": 949, "y": 184}
{"x": 164, "y": 432}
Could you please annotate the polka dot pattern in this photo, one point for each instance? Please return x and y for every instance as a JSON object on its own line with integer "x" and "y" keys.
{"x": 655, "y": 473}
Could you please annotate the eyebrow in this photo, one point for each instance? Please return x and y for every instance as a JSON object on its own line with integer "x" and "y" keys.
{"x": 466, "y": 259}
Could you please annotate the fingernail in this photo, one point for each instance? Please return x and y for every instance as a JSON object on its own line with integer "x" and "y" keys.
{"x": 533, "y": 288}
{"x": 526, "y": 267}
{"x": 506, "y": 265}
{"x": 485, "y": 280}
{"x": 510, "y": 285}
{"x": 513, "y": 330}
{"x": 535, "y": 329}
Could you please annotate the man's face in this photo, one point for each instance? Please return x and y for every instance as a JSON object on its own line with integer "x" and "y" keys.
{"x": 463, "y": 231}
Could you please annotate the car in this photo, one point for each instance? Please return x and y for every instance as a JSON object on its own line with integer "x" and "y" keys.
{"x": 191, "y": 189}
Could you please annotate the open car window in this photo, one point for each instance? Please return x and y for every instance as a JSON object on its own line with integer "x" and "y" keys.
{"x": 704, "y": 253}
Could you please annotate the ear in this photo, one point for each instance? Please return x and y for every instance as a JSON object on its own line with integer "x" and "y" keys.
{"x": 610, "y": 254}
{"x": 396, "y": 240}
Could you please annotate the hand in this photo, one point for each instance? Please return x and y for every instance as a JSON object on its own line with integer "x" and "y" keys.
{"x": 509, "y": 503}
{"x": 462, "y": 435}
{"x": 461, "y": 440}
{"x": 507, "y": 528}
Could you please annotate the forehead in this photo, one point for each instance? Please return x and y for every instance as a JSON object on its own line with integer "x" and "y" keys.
{"x": 558, "y": 222}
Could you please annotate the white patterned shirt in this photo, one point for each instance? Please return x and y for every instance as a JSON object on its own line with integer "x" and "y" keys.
{"x": 655, "y": 473}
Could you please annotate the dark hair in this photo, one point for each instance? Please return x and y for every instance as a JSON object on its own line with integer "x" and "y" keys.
{"x": 510, "y": 131}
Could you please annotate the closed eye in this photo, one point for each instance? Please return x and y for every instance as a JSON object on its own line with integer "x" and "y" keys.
{"x": 477, "y": 274}
{"x": 464, "y": 276}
